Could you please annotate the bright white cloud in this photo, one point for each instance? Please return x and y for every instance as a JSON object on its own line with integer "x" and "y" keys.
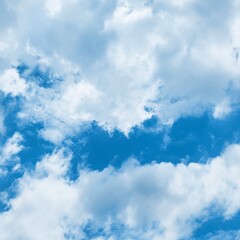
{"x": 170, "y": 57}
{"x": 53, "y": 7}
{"x": 11, "y": 83}
{"x": 155, "y": 201}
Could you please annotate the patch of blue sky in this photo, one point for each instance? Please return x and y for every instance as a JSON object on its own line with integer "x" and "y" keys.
{"x": 211, "y": 227}
{"x": 190, "y": 139}
{"x": 11, "y": 108}
{"x": 41, "y": 77}
{"x": 7, "y": 188}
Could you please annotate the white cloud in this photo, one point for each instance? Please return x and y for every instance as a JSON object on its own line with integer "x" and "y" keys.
{"x": 222, "y": 109}
{"x": 155, "y": 201}
{"x": 53, "y": 7}
{"x": 172, "y": 57}
{"x": 9, "y": 154}
{"x": 11, "y": 148}
{"x": 55, "y": 165}
{"x": 11, "y": 83}
{"x": 70, "y": 105}
{"x": 45, "y": 203}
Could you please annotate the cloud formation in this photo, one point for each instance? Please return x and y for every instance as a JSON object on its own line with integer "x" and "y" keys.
{"x": 154, "y": 201}
{"x": 120, "y": 63}
{"x": 65, "y": 64}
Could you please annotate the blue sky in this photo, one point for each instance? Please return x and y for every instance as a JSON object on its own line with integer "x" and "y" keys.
{"x": 119, "y": 120}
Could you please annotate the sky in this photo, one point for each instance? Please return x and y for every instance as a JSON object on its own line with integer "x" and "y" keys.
{"x": 119, "y": 120}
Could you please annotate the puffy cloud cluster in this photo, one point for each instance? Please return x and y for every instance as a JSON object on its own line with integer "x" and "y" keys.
{"x": 154, "y": 201}
{"x": 120, "y": 62}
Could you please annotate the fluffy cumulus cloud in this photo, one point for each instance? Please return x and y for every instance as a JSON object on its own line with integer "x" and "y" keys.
{"x": 119, "y": 62}
{"x": 155, "y": 201}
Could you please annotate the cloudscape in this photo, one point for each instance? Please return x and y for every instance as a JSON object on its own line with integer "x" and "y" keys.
{"x": 119, "y": 120}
